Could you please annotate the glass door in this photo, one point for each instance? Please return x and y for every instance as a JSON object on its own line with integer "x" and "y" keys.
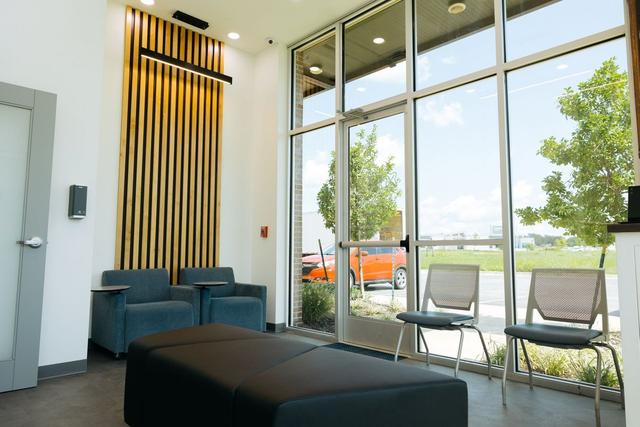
{"x": 375, "y": 261}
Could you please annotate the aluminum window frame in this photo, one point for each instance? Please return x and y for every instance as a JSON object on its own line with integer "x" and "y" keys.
{"x": 408, "y": 99}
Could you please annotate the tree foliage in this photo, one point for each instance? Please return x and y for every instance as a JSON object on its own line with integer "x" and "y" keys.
{"x": 373, "y": 189}
{"x": 598, "y": 157}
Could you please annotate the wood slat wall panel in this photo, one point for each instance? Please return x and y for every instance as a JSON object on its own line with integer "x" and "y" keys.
{"x": 168, "y": 183}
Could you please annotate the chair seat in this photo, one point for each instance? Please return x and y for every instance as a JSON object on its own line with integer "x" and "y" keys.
{"x": 433, "y": 318}
{"x": 552, "y": 334}
{"x": 245, "y": 312}
{"x": 151, "y": 317}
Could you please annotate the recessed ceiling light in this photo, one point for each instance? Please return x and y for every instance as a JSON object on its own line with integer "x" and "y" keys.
{"x": 233, "y": 36}
{"x": 470, "y": 90}
{"x": 315, "y": 69}
{"x": 378, "y": 40}
{"x": 361, "y": 89}
{"x": 562, "y": 67}
{"x": 148, "y": 2}
{"x": 456, "y": 7}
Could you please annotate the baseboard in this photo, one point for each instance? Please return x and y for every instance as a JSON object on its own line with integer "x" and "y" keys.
{"x": 275, "y": 327}
{"x": 62, "y": 369}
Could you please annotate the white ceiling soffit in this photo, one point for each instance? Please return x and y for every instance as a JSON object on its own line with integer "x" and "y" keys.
{"x": 286, "y": 21}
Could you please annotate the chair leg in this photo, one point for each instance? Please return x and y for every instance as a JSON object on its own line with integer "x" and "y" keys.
{"x": 424, "y": 341}
{"x": 614, "y": 355}
{"x": 395, "y": 358}
{"x": 455, "y": 373}
{"x": 507, "y": 352}
{"x": 596, "y": 399}
{"x": 484, "y": 347}
{"x": 526, "y": 358}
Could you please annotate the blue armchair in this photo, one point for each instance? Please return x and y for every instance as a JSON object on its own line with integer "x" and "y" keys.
{"x": 151, "y": 305}
{"x": 239, "y": 304}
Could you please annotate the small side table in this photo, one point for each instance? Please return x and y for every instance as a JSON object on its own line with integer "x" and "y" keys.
{"x": 204, "y": 285}
{"x": 116, "y": 289}
{"x": 209, "y": 284}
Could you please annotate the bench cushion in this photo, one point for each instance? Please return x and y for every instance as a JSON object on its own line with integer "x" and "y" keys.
{"x": 139, "y": 350}
{"x": 327, "y": 387}
{"x": 196, "y": 384}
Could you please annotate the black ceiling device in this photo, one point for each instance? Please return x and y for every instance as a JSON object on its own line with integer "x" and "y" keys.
{"x": 191, "y": 20}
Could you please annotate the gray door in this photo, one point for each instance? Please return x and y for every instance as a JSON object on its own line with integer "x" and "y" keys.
{"x": 27, "y": 120}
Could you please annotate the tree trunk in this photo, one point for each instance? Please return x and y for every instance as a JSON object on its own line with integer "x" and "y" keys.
{"x": 603, "y": 254}
{"x": 360, "y": 272}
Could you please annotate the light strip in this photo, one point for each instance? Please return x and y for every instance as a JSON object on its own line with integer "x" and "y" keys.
{"x": 173, "y": 62}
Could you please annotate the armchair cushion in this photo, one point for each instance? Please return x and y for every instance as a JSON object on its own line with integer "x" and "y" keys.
{"x": 147, "y": 285}
{"x": 188, "y": 294}
{"x": 246, "y": 312}
{"x": 256, "y": 291}
{"x": 148, "y": 318}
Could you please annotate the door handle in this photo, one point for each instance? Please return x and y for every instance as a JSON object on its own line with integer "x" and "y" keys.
{"x": 34, "y": 242}
{"x": 405, "y": 243}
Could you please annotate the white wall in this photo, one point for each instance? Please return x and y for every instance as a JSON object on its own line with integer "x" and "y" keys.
{"x": 269, "y": 178}
{"x": 58, "y": 47}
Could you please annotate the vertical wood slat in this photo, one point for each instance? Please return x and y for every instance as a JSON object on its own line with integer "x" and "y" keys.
{"x": 168, "y": 181}
{"x": 634, "y": 41}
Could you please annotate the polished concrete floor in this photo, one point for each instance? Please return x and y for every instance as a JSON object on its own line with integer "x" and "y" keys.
{"x": 95, "y": 399}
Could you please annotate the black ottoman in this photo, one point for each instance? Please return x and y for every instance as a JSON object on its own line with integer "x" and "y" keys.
{"x": 218, "y": 375}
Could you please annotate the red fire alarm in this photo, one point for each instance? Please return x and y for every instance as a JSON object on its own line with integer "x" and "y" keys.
{"x": 264, "y": 231}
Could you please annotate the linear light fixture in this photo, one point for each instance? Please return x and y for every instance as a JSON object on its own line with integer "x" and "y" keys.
{"x": 183, "y": 65}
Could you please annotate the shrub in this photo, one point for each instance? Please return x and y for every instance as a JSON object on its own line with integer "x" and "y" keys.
{"x": 496, "y": 353}
{"x": 317, "y": 302}
{"x": 585, "y": 370}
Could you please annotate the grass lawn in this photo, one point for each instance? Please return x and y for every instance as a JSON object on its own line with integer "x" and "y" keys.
{"x": 525, "y": 260}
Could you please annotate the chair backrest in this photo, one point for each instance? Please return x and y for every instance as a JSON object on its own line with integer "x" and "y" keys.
{"x": 147, "y": 285}
{"x": 454, "y": 286}
{"x": 569, "y": 295}
{"x": 189, "y": 276}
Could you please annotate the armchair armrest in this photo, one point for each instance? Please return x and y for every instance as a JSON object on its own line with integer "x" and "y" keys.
{"x": 188, "y": 294}
{"x": 107, "y": 321}
{"x": 256, "y": 291}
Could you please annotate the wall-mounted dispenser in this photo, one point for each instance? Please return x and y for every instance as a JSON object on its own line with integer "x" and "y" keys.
{"x": 77, "y": 201}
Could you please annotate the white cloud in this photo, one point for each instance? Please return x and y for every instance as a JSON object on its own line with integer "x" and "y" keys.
{"x": 388, "y": 146}
{"x": 469, "y": 214}
{"x": 393, "y": 74}
{"x": 316, "y": 171}
{"x": 449, "y": 60}
{"x": 442, "y": 116}
{"x": 423, "y": 70}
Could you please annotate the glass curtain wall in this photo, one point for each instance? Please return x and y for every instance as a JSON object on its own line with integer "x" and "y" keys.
{"x": 521, "y": 125}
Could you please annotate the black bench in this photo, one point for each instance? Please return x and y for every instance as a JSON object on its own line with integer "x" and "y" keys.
{"x": 219, "y": 375}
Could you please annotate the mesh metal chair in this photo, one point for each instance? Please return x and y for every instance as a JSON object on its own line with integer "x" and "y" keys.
{"x": 574, "y": 296}
{"x": 452, "y": 286}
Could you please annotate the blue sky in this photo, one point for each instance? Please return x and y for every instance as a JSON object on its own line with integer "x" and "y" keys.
{"x": 457, "y": 131}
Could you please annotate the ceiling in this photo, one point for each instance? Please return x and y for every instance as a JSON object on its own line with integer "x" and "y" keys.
{"x": 286, "y": 21}
{"x": 435, "y": 27}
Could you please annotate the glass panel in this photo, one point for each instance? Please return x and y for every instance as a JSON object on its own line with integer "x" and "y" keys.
{"x": 15, "y": 124}
{"x": 313, "y": 300}
{"x": 314, "y": 97}
{"x": 376, "y": 180}
{"x": 458, "y": 163}
{"x": 384, "y": 271}
{"x": 571, "y": 162}
{"x": 453, "y": 41}
{"x": 492, "y": 312}
{"x": 535, "y": 25}
{"x": 374, "y": 56}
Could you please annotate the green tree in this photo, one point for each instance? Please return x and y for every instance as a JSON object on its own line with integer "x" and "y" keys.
{"x": 598, "y": 156}
{"x": 373, "y": 190}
